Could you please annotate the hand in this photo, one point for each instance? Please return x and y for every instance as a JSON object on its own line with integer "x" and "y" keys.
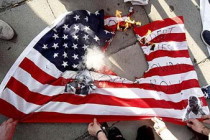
{"x": 196, "y": 125}
{"x": 159, "y": 125}
{"x": 94, "y": 127}
{"x": 7, "y": 129}
{"x": 206, "y": 119}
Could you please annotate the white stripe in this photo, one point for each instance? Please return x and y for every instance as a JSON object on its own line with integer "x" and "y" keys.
{"x": 169, "y": 46}
{"x": 98, "y": 77}
{"x": 35, "y": 86}
{"x": 27, "y": 50}
{"x": 168, "y": 61}
{"x": 43, "y": 63}
{"x": 93, "y": 109}
{"x": 97, "y": 109}
{"x": 18, "y": 102}
{"x": 113, "y": 20}
{"x": 169, "y": 79}
{"x": 127, "y": 93}
{"x": 177, "y": 28}
{"x": 135, "y": 93}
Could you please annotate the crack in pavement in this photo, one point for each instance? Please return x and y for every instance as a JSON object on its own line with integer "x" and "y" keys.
{"x": 51, "y": 9}
{"x": 13, "y": 5}
{"x": 203, "y": 61}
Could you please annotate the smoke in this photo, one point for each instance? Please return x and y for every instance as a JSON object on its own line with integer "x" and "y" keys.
{"x": 94, "y": 58}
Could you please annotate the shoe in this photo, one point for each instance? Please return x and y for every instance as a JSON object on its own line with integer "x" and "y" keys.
{"x": 145, "y": 133}
{"x": 115, "y": 134}
{"x": 205, "y": 35}
{"x": 6, "y": 31}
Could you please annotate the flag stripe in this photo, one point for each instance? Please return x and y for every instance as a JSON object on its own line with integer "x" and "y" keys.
{"x": 142, "y": 31}
{"x": 168, "y": 61}
{"x": 158, "y": 85}
{"x": 11, "y": 111}
{"x": 168, "y": 46}
{"x": 162, "y": 53}
{"x": 120, "y": 92}
{"x": 40, "y": 99}
{"x": 36, "y": 72}
{"x": 168, "y": 70}
{"x": 62, "y": 107}
{"x": 44, "y": 64}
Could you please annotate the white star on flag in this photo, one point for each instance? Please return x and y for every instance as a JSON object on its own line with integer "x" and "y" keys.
{"x": 88, "y": 12}
{"x": 75, "y": 37}
{"x": 55, "y": 45}
{"x": 86, "y": 37}
{"x": 65, "y": 45}
{"x": 85, "y": 47}
{"x": 96, "y": 38}
{"x": 74, "y": 46}
{"x": 65, "y": 37}
{"x": 87, "y": 28}
{"x": 55, "y": 55}
{"x": 96, "y": 13}
{"x": 45, "y": 46}
{"x": 76, "y": 27}
{"x": 86, "y": 19}
{"x": 107, "y": 32}
{"x": 77, "y": 17}
{"x": 74, "y": 66}
{"x": 65, "y": 26}
{"x": 65, "y": 64}
{"x": 55, "y": 36}
{"x": 65, "y": 55}
{"x": 75, "y": 56}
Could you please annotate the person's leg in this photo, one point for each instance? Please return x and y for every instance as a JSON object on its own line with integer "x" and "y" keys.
{"x": 6, "y": 31}
{"x": 7, "y": 129}
{"x": 115, "y": 134}
{"x": 145, "y": 133}
{"x": 205, "y": 17}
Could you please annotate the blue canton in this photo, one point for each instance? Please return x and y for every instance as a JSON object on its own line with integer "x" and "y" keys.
{"x": 65, "y": 45}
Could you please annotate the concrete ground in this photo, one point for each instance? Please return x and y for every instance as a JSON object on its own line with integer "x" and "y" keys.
{"x": 29, "y": 17}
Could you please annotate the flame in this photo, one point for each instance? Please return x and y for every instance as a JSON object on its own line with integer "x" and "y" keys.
{"x": 128, "y": 22}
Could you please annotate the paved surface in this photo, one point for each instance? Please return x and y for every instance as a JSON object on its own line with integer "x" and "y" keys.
{"x": 28, "y": 18}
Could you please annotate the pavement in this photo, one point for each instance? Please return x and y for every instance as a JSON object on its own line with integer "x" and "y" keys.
{"x": 29, "y": 17}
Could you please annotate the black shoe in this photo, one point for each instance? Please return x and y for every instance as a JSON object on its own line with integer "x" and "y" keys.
{"x": 205, "y": 35}
{"x": 145, "y": 133}
{"x": 115, "y": 134}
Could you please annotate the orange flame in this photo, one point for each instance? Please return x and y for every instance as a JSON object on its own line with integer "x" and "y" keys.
{"x": 128, "y": 22}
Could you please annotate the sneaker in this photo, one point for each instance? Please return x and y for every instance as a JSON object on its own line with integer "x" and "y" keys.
{"x": 115, "y": 134}
{"x": 6, "y": 31}
{"x": 145, "y": 133}
{"x": 205, "y": 35}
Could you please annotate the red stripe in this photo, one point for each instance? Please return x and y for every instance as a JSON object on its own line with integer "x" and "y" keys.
{"x": 50, "y": 117}
{"x": 10, "y": 111}
{"x": 178, "y": 37}
{"x": 157, "y": 70}
{"x": 40, "y": 99}
{"x": 36, "y": 72}
{"x": 162, "y": 53}
{"x": 142, "y": 30}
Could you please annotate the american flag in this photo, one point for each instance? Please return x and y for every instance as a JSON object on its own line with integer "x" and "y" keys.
{"x": 34, "y": 88}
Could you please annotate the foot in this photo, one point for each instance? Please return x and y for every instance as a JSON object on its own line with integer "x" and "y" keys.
{"x": 7, "y": 129}
{"x": 115, "y": 134}
{"x": 145, "y": 133}
{"x": 6, "y": 31}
